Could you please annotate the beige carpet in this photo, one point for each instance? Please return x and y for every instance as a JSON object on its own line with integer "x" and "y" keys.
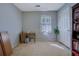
{"x": 41, "y": 49}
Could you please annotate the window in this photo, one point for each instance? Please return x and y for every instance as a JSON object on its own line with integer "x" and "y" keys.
{"x": 46, "y": 24}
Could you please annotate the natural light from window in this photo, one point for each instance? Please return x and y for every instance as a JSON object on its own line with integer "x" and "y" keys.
{"x": 46, "y": 24}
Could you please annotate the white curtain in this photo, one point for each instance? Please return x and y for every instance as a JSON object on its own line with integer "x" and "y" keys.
{"x": 46, "y": 24}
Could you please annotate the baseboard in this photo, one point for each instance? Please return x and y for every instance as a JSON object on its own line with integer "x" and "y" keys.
{"x": 64, "y": 44}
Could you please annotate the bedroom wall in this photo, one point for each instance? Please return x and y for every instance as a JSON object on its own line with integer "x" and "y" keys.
{"x": 11, "y": 21}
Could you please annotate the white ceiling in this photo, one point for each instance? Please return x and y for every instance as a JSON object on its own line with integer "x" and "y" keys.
{"x": 43, "y": 6}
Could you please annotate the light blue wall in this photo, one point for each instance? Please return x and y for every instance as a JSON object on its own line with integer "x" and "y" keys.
{"x": 10, "y": 20}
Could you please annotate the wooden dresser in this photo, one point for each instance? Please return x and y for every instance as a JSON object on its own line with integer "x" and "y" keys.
{"x": 29, "y": 35}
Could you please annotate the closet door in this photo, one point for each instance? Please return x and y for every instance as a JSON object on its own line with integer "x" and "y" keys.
{"x": 5, "y": 43}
